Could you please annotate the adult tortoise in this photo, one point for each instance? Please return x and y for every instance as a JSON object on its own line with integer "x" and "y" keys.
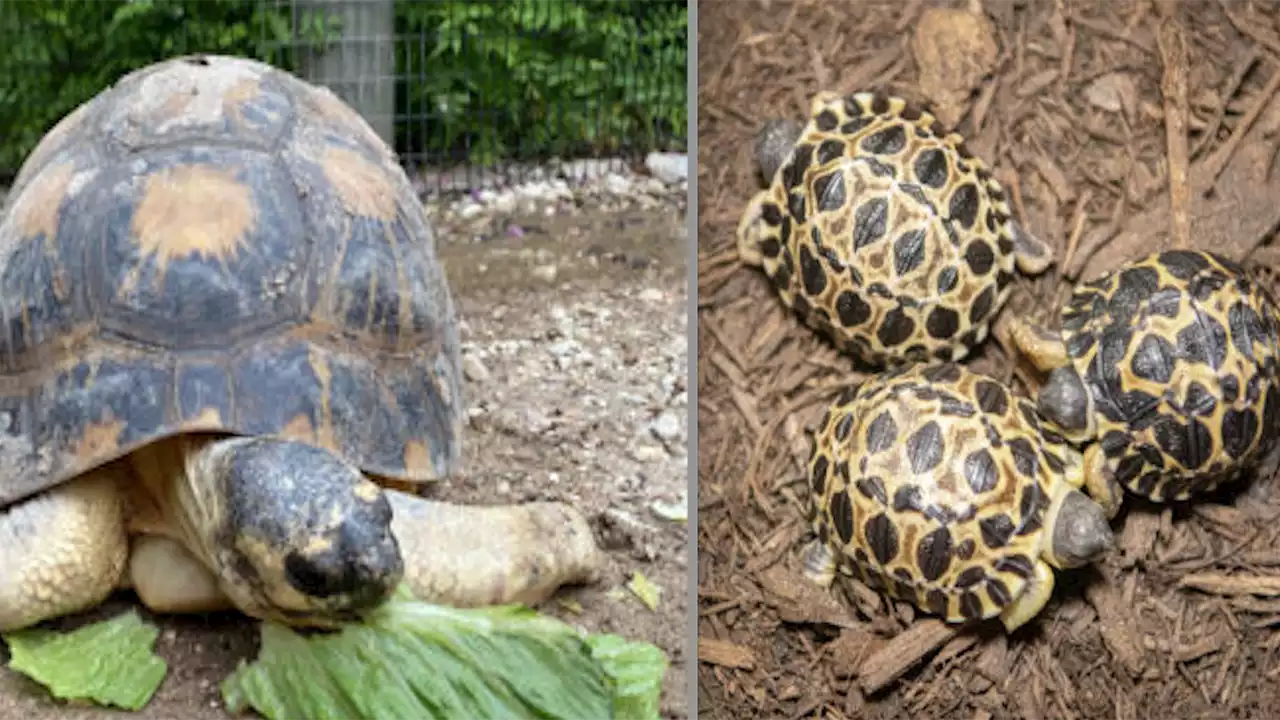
{"x": 1166, "y": 367}
{"x": 939, "y": 486}
{"x": 882, "y": 231}
{"x": 227, "y": 341}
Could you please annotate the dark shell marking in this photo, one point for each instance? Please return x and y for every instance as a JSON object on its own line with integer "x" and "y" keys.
{"x": 1179, "y": 351}
{"x": 902, "y": 239}
{"x": 254, "y": 261}
{"x": 929, "y": 510}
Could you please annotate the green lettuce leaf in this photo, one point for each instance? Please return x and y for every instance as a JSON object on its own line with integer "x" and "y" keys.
{"x": 413, "y": 659}
{"x": 109, "y": 662}
{"x": 636, "y": 670}
{"x": 406, "y": 659}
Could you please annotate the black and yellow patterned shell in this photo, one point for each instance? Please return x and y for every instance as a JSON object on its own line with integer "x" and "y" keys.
{"x": 932, "y": 482}
{"x": 212, "y": 244}
{"x": 1178, "y": 351}
{"x": 882, "y": 231}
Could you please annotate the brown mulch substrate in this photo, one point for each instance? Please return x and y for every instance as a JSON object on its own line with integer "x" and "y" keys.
{"x": 1119, "y": 128}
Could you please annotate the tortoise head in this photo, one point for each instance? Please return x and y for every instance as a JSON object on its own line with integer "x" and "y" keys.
{"x": 774, "y": 142}
{"x": 1065, "y": 400}
{"x": 1078, "y": 531}
{"x": 293, "y": 532}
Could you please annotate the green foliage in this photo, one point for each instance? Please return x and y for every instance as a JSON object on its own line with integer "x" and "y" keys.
{"x": 544, "y": 77}
{"x": 489, "y": 80}
{"x": 56, "y": 55}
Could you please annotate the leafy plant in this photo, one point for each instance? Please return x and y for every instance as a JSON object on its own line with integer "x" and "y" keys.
{"x": 478, "y": 81}
{"x": 544, "y": 77}
{"x": 56, "y": 55}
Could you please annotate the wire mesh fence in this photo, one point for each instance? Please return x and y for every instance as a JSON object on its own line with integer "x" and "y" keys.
{"x": 468, "y": 92}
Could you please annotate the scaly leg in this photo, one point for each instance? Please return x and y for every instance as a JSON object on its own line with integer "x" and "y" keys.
{"x": 819, "y": 563}
{"x": 468, "y": 556}
{"x": 62, "y": 551}
{"x": 1100, "y": 481}
{"x": 1043, "y": 347}
{"x": 1032, "y": 600}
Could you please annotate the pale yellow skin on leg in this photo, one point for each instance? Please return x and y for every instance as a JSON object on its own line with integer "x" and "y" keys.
{"x": 1100, "y": 481}
{"x": 1032, "y": 600}
{"x": 1043, "y": 348}
{"x": 819, "y": 564}
{"x": 67, "y": 549}
{"x": 168, "y": 579}
{"x": 62, "y": 551}
{"x": 1030, "y": 253}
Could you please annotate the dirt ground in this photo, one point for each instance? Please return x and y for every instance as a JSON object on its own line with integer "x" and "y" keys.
{"x": 575, "y": 350}
{"x": 1086, "y": 110}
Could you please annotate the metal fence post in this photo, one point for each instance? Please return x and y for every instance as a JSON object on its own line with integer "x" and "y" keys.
{"x": 359, "y": 66}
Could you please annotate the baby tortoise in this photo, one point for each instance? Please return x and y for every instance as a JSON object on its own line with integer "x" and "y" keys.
{"x": 226, "y": 337}
{"x": 937, "y": 485}
{"x": 1169, "y": 364}
{"x": 881, "y": 230}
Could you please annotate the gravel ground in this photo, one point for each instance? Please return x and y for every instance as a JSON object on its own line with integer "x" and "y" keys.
{"x": 575, "y": 351}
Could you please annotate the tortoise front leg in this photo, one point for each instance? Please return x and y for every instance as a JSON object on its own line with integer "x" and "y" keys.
{"x": 62, "y": 551}
{"x": 469, "y": 556}
{"x": 1100, "y": 481}
{"x": 1043, "y": 347}
{"x": 1030, "y": 253}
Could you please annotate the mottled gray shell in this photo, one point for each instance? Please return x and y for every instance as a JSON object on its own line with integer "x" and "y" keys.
{"x": 215, "y": 245}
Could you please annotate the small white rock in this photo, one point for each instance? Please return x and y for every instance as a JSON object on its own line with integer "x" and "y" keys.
{"x": 666, "y": 426}
{"x": 651, "y": 295}
{"x": 616, "y": 184}
{"x": 647, "y": 453}
{"x": 561, "y": 348}
{"x": 670, "y": 168}
{"x": 546, "y": 273}
{"x": 474, "y": 369}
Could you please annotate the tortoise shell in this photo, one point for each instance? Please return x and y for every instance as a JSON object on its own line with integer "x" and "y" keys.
{"x": 212, "y": 244}
{"x": 931, "y": 484}
{"x": 884, "y": 233}
{"x": 1178, "y": 353}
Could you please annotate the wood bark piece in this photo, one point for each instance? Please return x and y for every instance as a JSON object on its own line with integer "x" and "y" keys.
{"x": 902, "y": 653}
{"x": 1116, "y": 624}
{"x": 1232, "y": 220}
{"x": 1215, "y": 584}
{"x": 725, "y": 654}
{"x": 1173, "y": 86}
{"x": 954, "y": 50}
